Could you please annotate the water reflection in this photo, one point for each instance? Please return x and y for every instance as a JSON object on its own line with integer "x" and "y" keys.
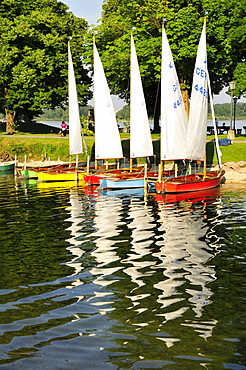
{"x": 75, "y": 232}
{"x": 116, "y": 279}
{"x": 179, "y": 248}
{"x": 189, "y": 241}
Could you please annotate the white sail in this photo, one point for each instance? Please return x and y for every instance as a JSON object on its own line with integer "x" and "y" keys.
{"x": 140, "y": 136}
{"x": 75, "y": 142}
{"x": 197, "y": 127}
{"x": 107, "y": 137}
{"x": 173, "y": 117}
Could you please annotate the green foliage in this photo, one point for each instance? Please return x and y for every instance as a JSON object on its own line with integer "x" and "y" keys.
{"x": 225, "y": 38}
{"x": 61, "y": 114}
{"x": 14, "y": 148}
{"x": 33, "y": 56}
{"x": 222, "y": 111}
{"x": 240, "y": 78}
{"x": 87, "y": 132}
{"x": 57, "y": 114}
{"x": 124, "y": 113}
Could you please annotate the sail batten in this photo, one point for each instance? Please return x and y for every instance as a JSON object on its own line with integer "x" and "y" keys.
{"x": 107, "y": 137}
{"x": 75, "y": 142}
{"x": 140, "y": 136}
{"x": 173, "y": 117}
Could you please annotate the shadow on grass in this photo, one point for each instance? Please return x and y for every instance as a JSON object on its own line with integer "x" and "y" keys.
{"x": 211, "y": 153}
{"x": 32, "y": 128}
{"x": 37, "y": 128}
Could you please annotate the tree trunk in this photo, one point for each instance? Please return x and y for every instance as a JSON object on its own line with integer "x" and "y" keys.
{"x": 185, "y": 96}
{"x": 10, "y": 122}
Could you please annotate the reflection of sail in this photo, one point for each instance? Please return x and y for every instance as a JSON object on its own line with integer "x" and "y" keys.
{"x": 184, "y": 251}
{"x": 75, "y": 229}
{"x": 106, "y": 222}
{"x": 142, "y": 234}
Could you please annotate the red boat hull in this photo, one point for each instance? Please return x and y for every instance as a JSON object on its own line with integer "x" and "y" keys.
{"x": 193, "y": 182}
{"x": 94, "y": 179}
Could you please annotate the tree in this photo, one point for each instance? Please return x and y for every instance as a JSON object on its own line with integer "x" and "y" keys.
{"x": 33, "y": 57}
{"x": 124, "y": 113}
{"x": 183, "y": 25}
{"x": 240, "y": 78}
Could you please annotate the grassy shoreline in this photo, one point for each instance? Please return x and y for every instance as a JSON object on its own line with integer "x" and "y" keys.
{"x": 47, "y": 146}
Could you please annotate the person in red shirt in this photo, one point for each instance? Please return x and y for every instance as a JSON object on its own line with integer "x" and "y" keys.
{"x": 63, "y": 130}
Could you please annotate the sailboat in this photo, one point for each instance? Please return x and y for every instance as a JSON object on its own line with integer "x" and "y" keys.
{"x": 140, "y": 135}
{"x": 107, "y": 137}
{"x": 65, "y": 172}
{"x": 194, "y": 137}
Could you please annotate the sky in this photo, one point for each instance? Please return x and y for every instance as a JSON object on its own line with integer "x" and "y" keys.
{"x": 88, "y": 9}
{"x": 91, "y": 11}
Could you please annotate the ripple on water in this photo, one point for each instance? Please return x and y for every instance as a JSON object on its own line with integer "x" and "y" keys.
{"x": 119, "y": 280}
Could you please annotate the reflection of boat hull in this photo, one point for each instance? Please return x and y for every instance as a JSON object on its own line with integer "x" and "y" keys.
{"x": 124, "y": 180}
{"x": 134, "y": 192}
{"x": 196, "y": 196}
{"x": 7, "y": 166}
{"x": 193, "y": 182}
{"x": 94, "y": 191}
{"x": 46, "y": 185}
{"x": 131, "y": 180}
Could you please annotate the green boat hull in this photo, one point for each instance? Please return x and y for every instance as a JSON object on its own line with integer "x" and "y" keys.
{"x": 7, "y": 166}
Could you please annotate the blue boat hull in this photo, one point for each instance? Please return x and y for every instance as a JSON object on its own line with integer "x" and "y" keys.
{"x": 121, "y": 184}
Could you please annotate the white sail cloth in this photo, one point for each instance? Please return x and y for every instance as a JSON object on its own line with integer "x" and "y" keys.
{"x": 75, "y": 142}
{"x": 173, "y": 117}
{"x": 197, "y": 126}
{"x": 140, "y": 135}
{"x": 107, "y": 137}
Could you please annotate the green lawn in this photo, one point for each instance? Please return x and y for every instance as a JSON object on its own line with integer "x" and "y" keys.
{"x": 47, "y": 146}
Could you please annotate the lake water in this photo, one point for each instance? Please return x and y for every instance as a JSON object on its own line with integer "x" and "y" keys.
{"x": 117, "y": 280}
{"x": 238, "y": 123}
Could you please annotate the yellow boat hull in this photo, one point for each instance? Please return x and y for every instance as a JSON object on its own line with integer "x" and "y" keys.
{"x": 63, "y": 176}
{"x": 53, "y": 175}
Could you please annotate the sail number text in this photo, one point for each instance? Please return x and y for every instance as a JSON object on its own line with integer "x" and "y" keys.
{"x": 177, "y": 103}
{"x": 202, "y": 90}
{"x": 201, "y": 72}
